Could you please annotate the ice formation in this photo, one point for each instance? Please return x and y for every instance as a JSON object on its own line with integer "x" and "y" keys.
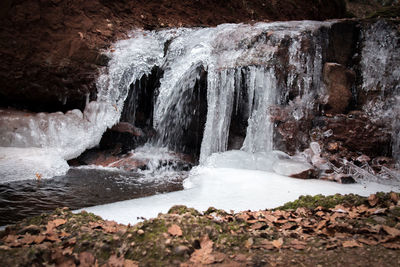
{"x": 249, "y": 68}
{"x": 380, "y": 70}
{"x": 229, "y": 189}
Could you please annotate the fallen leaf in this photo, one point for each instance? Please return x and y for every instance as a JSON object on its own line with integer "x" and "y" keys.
{"x": 11, "y": 238}
{"x": 28, "y": 239}
{"x": 271, "y": 218}
{"x": 394, "y": 197}
{"x": 391, "y": 231}
{"x": 64, "y": 234}
{"x": 131, "y": 263}
{"x": 115, "y": 261}
{"x": 297, "y": 244}
{"x": 368, "y": 241}
{"x": 320, "y": 213}
{"x": 321, "y": 224}
{"x": 392, "y": 245}
{"x": 249, "y": 242}
{"x": 351, "y": 244}
{"x": 175, "y": 230}
{"x": 277, "y": 243}
{"x": 58, "y": 222}
{"x": 39, "y": 239}
{"x": 373, "y": 200}
{"x": 86, "y": 259}
{"x": 257, "y": 226}
{"x": 204, "y": 254}
{"x": 68, "y": 251}
{"x": 267, "y": 245}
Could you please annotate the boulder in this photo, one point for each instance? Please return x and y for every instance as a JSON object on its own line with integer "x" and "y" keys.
{"x": 338, "y": 80}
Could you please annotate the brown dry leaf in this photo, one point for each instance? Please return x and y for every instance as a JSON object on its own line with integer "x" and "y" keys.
{"x": 392, "y": 245}
{"x": 58, "y": 222}
{"x": 64, "y": 234}
{"x": 368, "y": 241}
{"x": 331, "y": 246}
{"x": 249, "y": 242}
{"x": 131, "y": 263}
{"x": 115, "y": 261}
{"x": 301, "y": 211}
{"x": 3, "y": 247}
{"x": 271, "y": 218}
{"x": 391, "y": 231}
{"x": 86, "y": 259}
{"x": 68, "y": 251}
{"x": 11, "y": 238}
{"x": 243, "y": 216}
{"x": 52, "y": 237}
{"x": 394, "y": 197}
{"x": 267, "y": 245}
{"x": 110, "y": 226}
{"x": 373, "y": 200}
{"x": 379, "y": 211}
{"x": 281, "y": 221}
{"x": 175, "y": 230}
{"x": 351, "y": 244}
{"x": 297, "y": 244}
{"x": 27, "y": 239}
{"x": 277, "y": 243}
{"x": 287, "y": 226}
{"x": 320, "y": 213}
{"x": 321, "y": 224}
{"x": 39, "y": 239}
{"x": 340, "y": 208}
{"x": 362, "y": 208}
{"x": 257, "y": 226}
{"x": 203, "y": 255}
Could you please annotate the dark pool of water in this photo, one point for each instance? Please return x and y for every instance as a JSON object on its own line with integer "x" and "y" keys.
{"x": 79, "y": 188}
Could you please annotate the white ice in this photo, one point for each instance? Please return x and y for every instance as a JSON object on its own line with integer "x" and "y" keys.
{"x": 30, "y": 163}
{"x": 229, "y": 189}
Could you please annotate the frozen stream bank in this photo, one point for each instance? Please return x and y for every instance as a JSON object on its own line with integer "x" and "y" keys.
{"x": 230, "y": 189}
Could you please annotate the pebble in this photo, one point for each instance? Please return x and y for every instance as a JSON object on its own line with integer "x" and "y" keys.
{"x": 140, "y": 232}
{"x": 181, "y": 250}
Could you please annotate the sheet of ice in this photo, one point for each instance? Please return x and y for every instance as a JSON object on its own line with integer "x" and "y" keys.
{"x": 229, "y": 189}
{"x": 30, "y": 163}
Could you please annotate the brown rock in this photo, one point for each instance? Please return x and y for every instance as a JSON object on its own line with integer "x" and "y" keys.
{"x": 126, "y": 127}
{"x": 338, "y": 80}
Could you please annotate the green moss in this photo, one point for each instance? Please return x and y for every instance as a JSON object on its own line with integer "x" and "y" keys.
{"x": 386, "y": 12}
{"x": 312, "y": 202}
{"x": 181, "y": 209}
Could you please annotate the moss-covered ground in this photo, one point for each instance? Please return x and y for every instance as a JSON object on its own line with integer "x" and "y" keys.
{"x": 311, "y": 231}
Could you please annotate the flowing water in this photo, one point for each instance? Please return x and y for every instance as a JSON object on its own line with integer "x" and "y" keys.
{"x": 242, "y": 71}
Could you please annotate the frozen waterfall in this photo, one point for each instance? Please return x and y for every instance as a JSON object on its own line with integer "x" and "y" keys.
{"x": 246, "y": 70}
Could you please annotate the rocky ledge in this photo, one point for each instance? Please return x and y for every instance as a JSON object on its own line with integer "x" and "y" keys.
{"x": 51, "y": 50}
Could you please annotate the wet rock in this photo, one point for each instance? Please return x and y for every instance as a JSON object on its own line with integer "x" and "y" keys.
{"x": 293, "y": 168}
{"x": 354, "y": 134}
{"x": 181, "y": 250}
{"x": 332, "y": 146}
{"x": 344, "y": 179}
{"x": 338, "y": 80}
{"x": 126, "y": 127}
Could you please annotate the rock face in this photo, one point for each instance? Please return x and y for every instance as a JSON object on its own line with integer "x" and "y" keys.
{"x": 338, "y": 80}
{"x": 355, "y": 132}
{"x": 50, "y": 51}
